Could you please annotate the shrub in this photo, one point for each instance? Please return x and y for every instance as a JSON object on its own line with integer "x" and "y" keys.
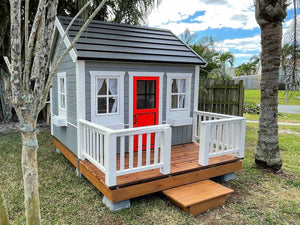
{"x": 251, "y": 108}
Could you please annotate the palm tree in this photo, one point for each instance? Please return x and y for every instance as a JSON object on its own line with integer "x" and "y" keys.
{"x": 269, "y": 15}
{"x": 224, "y": 59}
{"x": 245, "y": 69}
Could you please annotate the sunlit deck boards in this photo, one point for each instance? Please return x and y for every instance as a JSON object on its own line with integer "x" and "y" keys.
{"x": 184, "y": 169}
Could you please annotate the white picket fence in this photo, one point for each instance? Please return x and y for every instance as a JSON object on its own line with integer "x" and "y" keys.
{"x": 218, "y": 134}
{"x": 99, "y": 145}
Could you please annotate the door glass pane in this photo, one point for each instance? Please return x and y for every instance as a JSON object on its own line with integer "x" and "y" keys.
{"x": 113, "y": 105}
{"x": 101, "y": 86}
{"x": 174, "y": 86}
{"x": 174, "y": 102}
{"x": 113, "y": 86}
{"x": 150, "y": 101}
{"x": 141, "y": 87}
{"x": 101, "y": 105}
{"x": 151, "y": 86}
{"x": 141, "y": 102}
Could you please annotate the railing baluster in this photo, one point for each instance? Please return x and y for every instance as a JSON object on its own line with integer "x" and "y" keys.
{"x": 229, "y": 137}
{"x": 148, "y": 150}
{"x": 122, "y": 152}
{"x": 156, "y": 141}
{"x": 97, "y": 147}
{"x": 101, "y": 149}
{"x": 218, "y": 127}
{"x": 140, "y": 146}
{"x": 131, "y": 151}
{"x": 223, "y": 136}
{"x": 212, "y": 138}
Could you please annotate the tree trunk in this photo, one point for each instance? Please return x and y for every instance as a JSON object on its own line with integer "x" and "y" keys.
{"x": 6, "y": 108}
{"x": 30, "y": 169}
{"x": 267, "y": 152}
{"x": 3, "y": 212}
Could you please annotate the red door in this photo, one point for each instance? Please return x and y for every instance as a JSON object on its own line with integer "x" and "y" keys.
{"x": 145, "y": 105}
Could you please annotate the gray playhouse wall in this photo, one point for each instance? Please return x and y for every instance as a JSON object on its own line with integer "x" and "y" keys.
{"x": 66, "y": 135}
{"x": 180, "y": 135}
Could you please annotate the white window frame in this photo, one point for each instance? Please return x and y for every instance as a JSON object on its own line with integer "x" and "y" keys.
{"x": 145, "y": 74}
{"x": 62, "y": 112}
{"x": 179, "y": 116}
{"x": 179, "y": 94}
{"x": 107, "y": 96}
{"x": 111, "y": 120}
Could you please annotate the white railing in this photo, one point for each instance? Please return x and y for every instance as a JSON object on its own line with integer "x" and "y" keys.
{"x": 101, "y": 145}
{"x": 218, "y": 134}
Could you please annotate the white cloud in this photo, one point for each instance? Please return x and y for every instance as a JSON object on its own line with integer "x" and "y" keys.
{"x": 243, "y": 55}
{"x": 217, "y": 14}
{"x": 241, "y": 44}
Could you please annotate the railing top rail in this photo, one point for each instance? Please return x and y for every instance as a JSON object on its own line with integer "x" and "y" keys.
{"x": 225, "y": 120}
{"x": 145, "y": 129}
{"x": 214, "y": 114}
{"x": 96, "y": 126}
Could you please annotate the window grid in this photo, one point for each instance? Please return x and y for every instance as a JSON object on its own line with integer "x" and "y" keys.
{"x": 107, "y": 96}
{"x": 62, "y": 93}
{"x": 178, "y": 94}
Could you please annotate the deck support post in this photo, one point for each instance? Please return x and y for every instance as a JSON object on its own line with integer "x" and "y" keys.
{"x": 227, "y": 177}
{"x": 115, "y": 206}
{"x": 57, "y": 151}
{"x": 204, "y": 144}
{"x": 110, "y": 164}
{"x": 166, "y": 150}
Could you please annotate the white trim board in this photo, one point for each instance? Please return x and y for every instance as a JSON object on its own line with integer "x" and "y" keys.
{"x": 179, "y": 116}
{"x": 66, "y": 40}
{"x": 115, "y": 120}
{"x": 145, "y": 74}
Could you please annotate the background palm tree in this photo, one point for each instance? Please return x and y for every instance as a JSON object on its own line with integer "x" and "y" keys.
{"x": 269, "y": 15}
{"x": 245, "y": 69}
{"x": 223, "y": 59}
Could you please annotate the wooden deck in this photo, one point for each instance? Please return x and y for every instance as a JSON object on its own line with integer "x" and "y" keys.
{"x": 184, "y": 170}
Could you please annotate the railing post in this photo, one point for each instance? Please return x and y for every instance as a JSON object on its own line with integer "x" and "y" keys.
{"x": 195, "y": 124}
{"x": 241, "y": 140}
{"x": 204, "y": 144}
{"x": 80, "y": 144}
{"x": 165, "y": 148}
{"x": 110, "y": 164}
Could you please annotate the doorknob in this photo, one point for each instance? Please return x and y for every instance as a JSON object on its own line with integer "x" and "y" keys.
{"x": 134, "y": 119}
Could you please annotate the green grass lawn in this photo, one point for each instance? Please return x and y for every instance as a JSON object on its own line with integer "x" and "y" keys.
{"x": 253, "y": 96}
{"x": 282, "y": 117}
{"x": 260, "y": 197}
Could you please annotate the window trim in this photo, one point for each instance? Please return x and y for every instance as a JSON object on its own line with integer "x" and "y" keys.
{"x": 107, "y": 96}
{"x": 179, "y": 94}
{"x": 62, "y": 111}
{"x": 178, "y": 113}
{"x": 112, "y": 120}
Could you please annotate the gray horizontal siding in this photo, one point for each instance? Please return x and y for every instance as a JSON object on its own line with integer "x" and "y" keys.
{"x": 66, "y": 135}
{"x": 178, "y": 132}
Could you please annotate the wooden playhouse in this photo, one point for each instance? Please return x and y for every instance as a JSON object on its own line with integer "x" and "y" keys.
{"x": 124, "y": 112}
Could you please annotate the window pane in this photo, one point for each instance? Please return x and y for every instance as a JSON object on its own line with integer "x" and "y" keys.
{"x": 62, "y": 85}
{"x": 101, "y": 105}
{"x": 181, "y": 101}
{"x": 62, "y": 101}
{"x": 174, "y": 101}
{"x": 113, "y": 105}
{"x": 113, "y": 86}
{"x": 182, "y": 86}
{"x": 174, "y": 86}
{"x": 141, "y": 102}
{"x": 101, "y": 86}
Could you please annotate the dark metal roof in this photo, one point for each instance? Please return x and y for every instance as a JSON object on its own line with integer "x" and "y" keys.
{"x": 112, "y": 41}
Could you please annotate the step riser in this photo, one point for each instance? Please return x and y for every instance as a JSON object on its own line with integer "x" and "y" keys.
{"x": 205, "y": 206}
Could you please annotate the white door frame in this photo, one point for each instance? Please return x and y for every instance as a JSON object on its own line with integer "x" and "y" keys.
{"x": 145, "y": 74}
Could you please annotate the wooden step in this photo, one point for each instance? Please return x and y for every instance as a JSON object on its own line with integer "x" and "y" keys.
{"x": 198, "y": 197}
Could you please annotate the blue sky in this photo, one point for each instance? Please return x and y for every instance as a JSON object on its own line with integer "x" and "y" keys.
{"x": 231, "y": 22}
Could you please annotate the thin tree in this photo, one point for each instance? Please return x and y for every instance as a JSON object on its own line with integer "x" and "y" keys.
{"x": 30, "y": 81}
{"x": 269, "y": 15}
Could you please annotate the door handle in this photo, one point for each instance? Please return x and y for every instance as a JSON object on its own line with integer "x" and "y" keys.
{"x": 134, "y": 119}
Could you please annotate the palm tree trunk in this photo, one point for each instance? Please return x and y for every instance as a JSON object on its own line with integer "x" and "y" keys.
{"x": 3, "y": 213}
{"x": 30, "y": 169}
{"x": 267, "y": 152}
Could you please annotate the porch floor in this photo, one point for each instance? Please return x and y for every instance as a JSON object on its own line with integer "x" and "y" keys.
{"x": 184, "y": 158}
{"x": 184, "y": 170}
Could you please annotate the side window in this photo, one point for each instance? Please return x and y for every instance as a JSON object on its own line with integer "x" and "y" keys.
{"x": 107, "y": 95}
{"x": 178, "y": 94}
{"x": 62, "y": 97}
